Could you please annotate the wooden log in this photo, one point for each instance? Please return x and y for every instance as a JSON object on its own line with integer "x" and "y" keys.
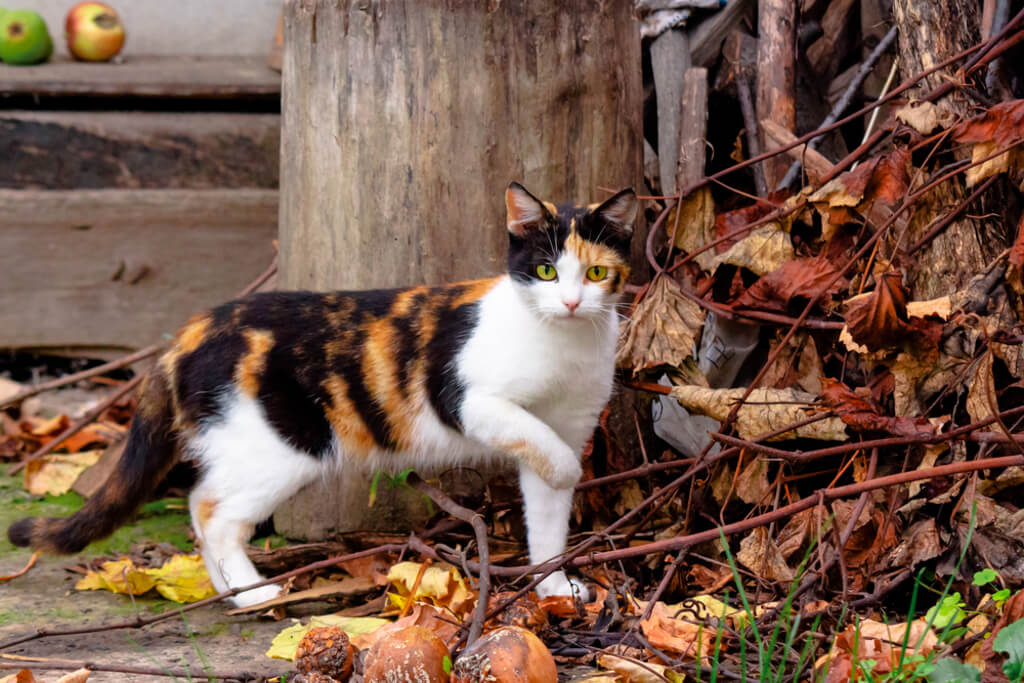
{"x": 403, "y": 123}
{"x": 120, "y": 269}
{"x": 776, "y": 25}
{"x": 190, "y": 77}
{"x": 670, "y": 58}
{"x": 828, "y": 52}
{"x": 693, "y": 127}
{"x": 138, "y": 150}
{"x": 707, "y": 36}
{"x": 930, "y": 32}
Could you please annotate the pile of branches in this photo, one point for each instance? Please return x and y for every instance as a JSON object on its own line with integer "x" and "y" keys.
{"x": 832, "y": 353}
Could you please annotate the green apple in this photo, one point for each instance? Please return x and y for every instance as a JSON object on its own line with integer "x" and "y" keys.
{"x": 24, "y": 38}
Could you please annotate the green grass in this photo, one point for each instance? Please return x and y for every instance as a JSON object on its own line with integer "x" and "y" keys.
{"x": 159, "y": 521}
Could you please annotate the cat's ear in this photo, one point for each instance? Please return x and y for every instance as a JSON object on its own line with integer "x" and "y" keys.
{"x": 524, "y": 211}
{"x": 620, "y": 210}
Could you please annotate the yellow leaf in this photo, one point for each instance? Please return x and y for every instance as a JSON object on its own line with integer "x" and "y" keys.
{"x": 183, "y": 578}
{"x": 287, "y": 641}
{"x": 440, "y": 586}
{"x": 117, "y": 576}
{"x": 761, "y": 252}
{"x": 57, "y": 472}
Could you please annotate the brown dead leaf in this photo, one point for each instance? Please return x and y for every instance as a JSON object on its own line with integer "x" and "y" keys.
{"x": 23, "y": 676}
{"x": 764, "y": 411}
{"x": 798, "y": 365}
{"x": 879, "y": 319}
{"x": 696, "y": 223}
{"x": 1017, "y": 250}
{"x": 981, "y": 395}
{"x": 924, "y": 117}
{"x": 882, "y": 178}
{"x": 919, "y": 543}
{"x": 802, "y": 279}
{"x": 752, "y": 485}
{"x": 708, "y": 579}
{"x": 877, "y": 641}
{"x": 791, "y": 537}
{"x": 729, "y": 222}
{"x": 663, "y": 330}
{"x": 862, "y": 414}
{"x": 678, "y": 635}
{"x": 79, "y": 676}
{"x": 635, "y": 671}
{"x": 562, "y": 606}
{"x": 441, "y": 622}
{"x": 759, "y": 553}
{"x": 51, "y": 427}
{"x": 1001, "y": 124}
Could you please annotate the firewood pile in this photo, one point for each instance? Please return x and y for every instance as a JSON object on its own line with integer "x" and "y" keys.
{"x": 828, "y": 441}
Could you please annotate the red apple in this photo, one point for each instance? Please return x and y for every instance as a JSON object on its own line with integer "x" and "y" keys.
{"x": 94, "y": 31}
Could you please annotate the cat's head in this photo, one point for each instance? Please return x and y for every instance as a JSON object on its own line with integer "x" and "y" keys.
{"x": 569, "y": 262}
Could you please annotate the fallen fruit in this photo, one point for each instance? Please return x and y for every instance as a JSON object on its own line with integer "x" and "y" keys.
{"x": 326, "y": 650}
{"x": 408, "y": 655}
{"x": 24, "y": 38}
{"x": 93, "y": 31}
{"x": 509, "y": 654}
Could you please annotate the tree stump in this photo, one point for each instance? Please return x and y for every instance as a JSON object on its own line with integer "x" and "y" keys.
{"x": 404, "y": 121}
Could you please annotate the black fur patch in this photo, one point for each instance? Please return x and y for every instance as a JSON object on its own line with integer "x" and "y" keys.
{"x": 444, "y": 388}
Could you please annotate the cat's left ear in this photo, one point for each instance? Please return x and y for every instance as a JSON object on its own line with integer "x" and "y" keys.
{"x": 525, "y": 212}
{"x": 619, "y": 210}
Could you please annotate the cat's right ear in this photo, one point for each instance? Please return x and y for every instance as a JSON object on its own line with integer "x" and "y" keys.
{"x": 525, "y": 212}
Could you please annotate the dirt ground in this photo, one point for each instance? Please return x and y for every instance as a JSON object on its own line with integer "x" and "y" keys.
{"x": 203, "y": 639}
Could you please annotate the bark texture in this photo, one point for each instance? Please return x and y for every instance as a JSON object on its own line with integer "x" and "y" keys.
{"x": 403, "y": 123}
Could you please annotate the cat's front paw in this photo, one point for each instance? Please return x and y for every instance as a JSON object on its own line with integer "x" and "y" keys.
{"x": 255, "y": 596}
{"x": 559, "y": 584}
{"x": 565, "y": 473}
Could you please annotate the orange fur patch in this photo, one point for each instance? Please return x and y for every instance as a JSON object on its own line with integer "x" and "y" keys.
{"x": 593, "y": 254}
{"x": 251, "y": 365}
{"x": 193, "y": 334}
{"x": 204, "y": 511}
{"x": 526, "y": 453}
{"x": 380, "y": 374}
{"x": 475, "y": 290}
{"x": 355, "y": 438}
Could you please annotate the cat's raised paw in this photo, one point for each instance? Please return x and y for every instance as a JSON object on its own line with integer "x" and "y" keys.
{"x": 255, "y": 596}
{"x": 559, "y": 584}
{"x": 565, "y": 473}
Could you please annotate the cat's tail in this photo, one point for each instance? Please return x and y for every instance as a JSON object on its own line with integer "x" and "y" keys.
{"x": 147, "y": 457}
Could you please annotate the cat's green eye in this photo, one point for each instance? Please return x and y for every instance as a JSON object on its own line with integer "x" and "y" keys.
{"x": 546, "y": 271}
{"x": 597, "y": 273}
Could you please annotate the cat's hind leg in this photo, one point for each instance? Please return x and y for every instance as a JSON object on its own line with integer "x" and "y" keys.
{"x": 247, "y": 470}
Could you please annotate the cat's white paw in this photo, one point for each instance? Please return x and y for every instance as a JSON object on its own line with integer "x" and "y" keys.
{"x": 565, "y": 473}
{"x": 255, "y": 596}
{"x": 559, "y": 584}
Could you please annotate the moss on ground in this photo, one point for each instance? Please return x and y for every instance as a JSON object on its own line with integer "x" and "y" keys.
{"x": 159, "y": 521}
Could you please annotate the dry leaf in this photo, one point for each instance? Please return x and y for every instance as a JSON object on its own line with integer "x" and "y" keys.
{"x": 696, "y": 225}
{"x": 862, "y": 414}
{"x": 729, "y": 222}
{"x": 663, "y": 330}
{"x": 879, "y": 319}
{"x": 880, "y": 642}
{"x": 760, "y": 554}
{"x": 23, "y": 676}
{"x": 760, "y": 252}
{"x": 79, "y": 676}
{"x": 981, "y": 396}
{"x": 677, "y": 634}
{"x": 798, "y": 365}
{"x": 752, "y": 485}
{"x": 56, "y": 473}
{"x": 803, "y": 279}
{"x": 639, "y": 672}
{"x": 117, "y": 576}
{"x": 924, "y": 117}
{"x": 287, "y": 641}
{"x": 764, "y": 411}
{"x": 182, "y": 578}
{"x": 440, "y": 586}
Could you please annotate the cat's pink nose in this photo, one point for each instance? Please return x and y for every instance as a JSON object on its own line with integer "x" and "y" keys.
{"x": 571, "y": 305}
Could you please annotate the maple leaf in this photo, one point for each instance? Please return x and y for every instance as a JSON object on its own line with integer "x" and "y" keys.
{"x": 804, "y": 278}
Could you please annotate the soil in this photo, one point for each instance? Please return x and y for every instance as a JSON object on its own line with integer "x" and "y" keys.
{"x": 203, "y": 639}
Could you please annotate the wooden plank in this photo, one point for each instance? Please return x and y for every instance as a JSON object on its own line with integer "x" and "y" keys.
{"x": 670, "y": 58}
{"x": 706, "y": 37}
{"x": 138, "y": 150}
{"x": 197, "y": 77}
{"x": 776, "y": 22}
{"x": 123, "y": 268}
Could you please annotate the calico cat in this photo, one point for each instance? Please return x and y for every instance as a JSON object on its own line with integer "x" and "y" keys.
{"x": 267, "y": 393}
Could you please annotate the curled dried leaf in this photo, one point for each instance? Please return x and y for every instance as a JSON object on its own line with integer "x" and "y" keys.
{"x": 879, "y": 319}
{"x": 663, "y": 330}
{"x": 805, "y": 279}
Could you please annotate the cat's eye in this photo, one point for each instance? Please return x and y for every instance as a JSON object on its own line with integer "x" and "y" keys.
{"x": 546, "y": 271}
{"x": 597, "y": 273}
